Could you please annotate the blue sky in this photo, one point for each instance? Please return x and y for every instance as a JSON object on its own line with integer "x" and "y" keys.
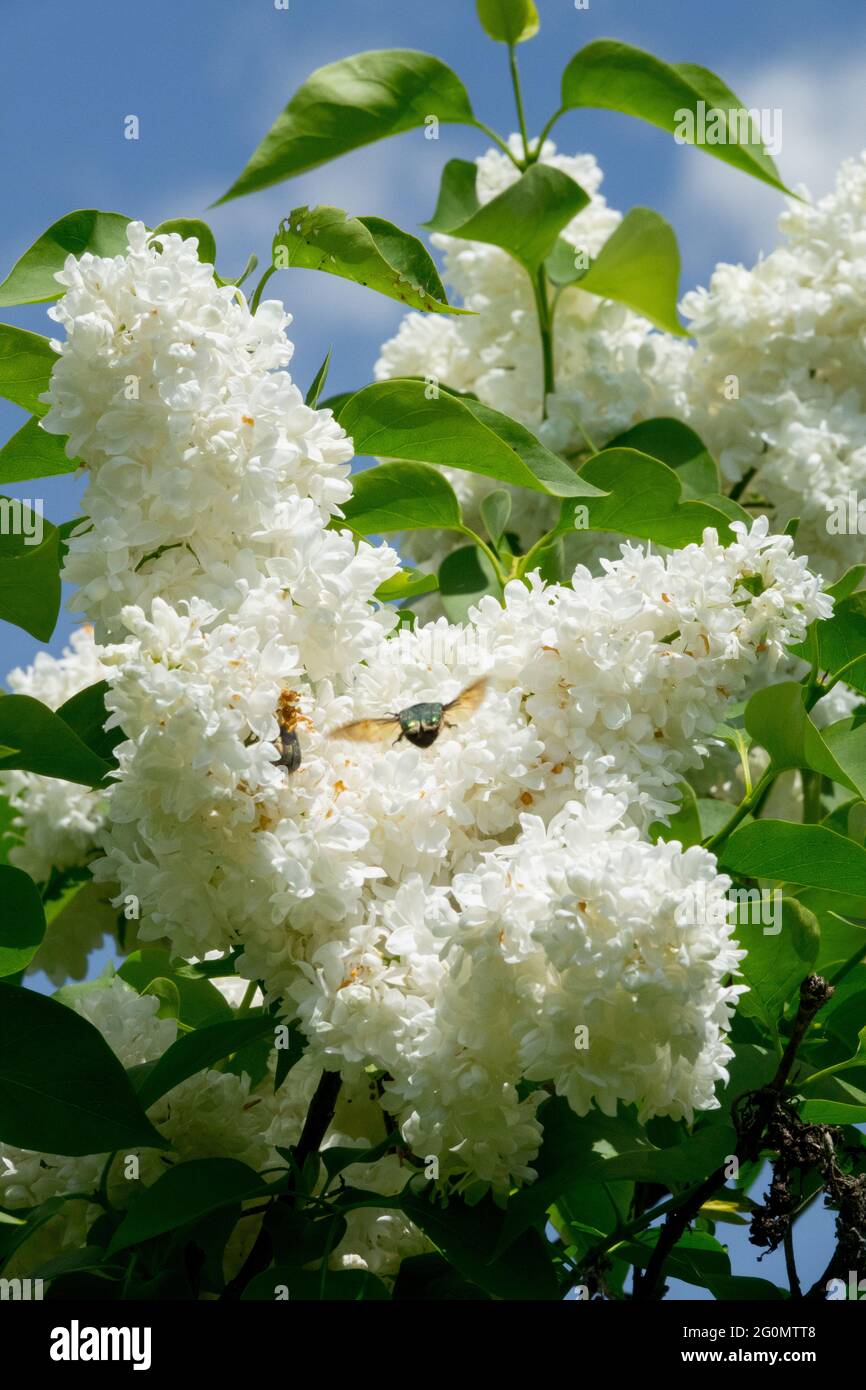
{"x": 206, "y": 80}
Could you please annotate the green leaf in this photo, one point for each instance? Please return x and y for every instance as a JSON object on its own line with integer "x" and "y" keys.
{"x": 31, "y": 280}
{"x": 777, "y": 719}
{"x": 846, "y": 744}
{"x": 22, "y": 925}
{"x": 318, "y": 382}
{"x": 199, "y": 1050}
{"x": 351, "y": 103}
{"x": 841, "y": 639}
{"x": 62, "y": 1090}
{"x": 166, "y": 991}
{"x": 86, "y": 715}
{"x": 468, "y": 1237}
{"x": 368, "y": 250}
{"x": 186, "y": 1193}
{"x": 465, "y": 576}
{"x": 495, "y": 511}
{"x": 644, "y": 499}
{"x": 26, "y": 360}
{"x": 32, "y": 452}
{"x": 839, "y": 937}
{"x": 71, "y": 1262}
{"x": 336, "y": 402}
{"x": 809, "y": 855}
{"x": 780, "y": 956}
{"x": 430, "y": 1278}
{"x": 831, "y": 1112}
{"x": 731, "y": 509}
{"x": 524, "y": 220}
{"x": 399, "y": 420}
{"x": 401, "y": 497}
{"x": 508, "y": 21}
{"x": 45, "y": 743}
{"x": 457, "y": 200}
{"x": 851, "y": 580}
{"x": 29, "y": 571}
{"x": 680, "y": 448}
{"x": 617, "y": 77}
{"x": 191, "y": 227}
{"x": 406, "y": 584}
{"x": 200, "y": 1002}
{"x": 639, "y": 265}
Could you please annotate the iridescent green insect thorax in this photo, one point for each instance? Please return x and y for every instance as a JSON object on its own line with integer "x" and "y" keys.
{"x": 421, "y": 723}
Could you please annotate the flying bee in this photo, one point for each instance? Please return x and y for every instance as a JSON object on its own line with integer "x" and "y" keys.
{"x": 421, "y": 724}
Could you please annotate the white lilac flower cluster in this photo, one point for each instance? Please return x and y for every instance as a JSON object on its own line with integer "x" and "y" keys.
{"x": 453, "y": 916}
{"x": 775, "y": 386}
{"x": 208, "y": 475}
{"x": 612, "y": 368}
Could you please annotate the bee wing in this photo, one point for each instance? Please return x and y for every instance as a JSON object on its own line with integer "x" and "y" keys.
{"x": 367, "y": 730}
{"x": 468, "y": 701}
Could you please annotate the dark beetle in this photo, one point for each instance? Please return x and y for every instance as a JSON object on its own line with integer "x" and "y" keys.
{"x": 421, "y": 724}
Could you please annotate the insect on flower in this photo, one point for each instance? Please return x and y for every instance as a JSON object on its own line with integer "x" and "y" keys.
{"x": 290, "y": 750}
{"x": 288, "y": 743}
{"x": 421, "y": 724}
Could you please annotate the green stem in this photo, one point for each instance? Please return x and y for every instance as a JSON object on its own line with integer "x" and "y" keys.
{"x": 811, "y": 796}
{"x": 103, "y": 1196}
{"x": 518, "y": 101}
{"x": 743, "y": 751}
{"x": 498, "y": 570}
{"x": 747, "y": 805}
{"x": 546, "y": 131}
{"x": 545, "y": 326}
{"x": 739, "y": 488}
{"x": 497, "y": 140}
{"x": 257, "y": 292}
{"x": 838, "y": 675}
{"x": 249, "y": 995}
{"x": 525, "y": 562}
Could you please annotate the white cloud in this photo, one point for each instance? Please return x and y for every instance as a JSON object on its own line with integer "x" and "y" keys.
{"x": 733, "y": 216}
